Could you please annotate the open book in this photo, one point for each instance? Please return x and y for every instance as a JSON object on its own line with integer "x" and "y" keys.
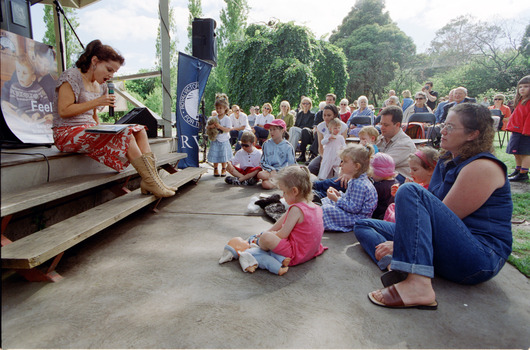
{"x": 107, "y": 128}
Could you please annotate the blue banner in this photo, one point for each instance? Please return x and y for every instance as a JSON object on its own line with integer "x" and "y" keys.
{"x": 192, "y": 77}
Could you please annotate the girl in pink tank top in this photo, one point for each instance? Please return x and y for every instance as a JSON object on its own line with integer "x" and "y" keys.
{"x": 298, "y": 233}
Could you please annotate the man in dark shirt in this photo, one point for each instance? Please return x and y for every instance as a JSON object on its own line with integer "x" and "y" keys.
{"x": 432, "y": 95}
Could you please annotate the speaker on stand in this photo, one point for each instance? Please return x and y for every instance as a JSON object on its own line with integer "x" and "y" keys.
{"x": 204, "y": 44}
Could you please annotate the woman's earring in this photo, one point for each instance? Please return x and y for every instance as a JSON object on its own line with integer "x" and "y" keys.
{"x": 94, "y": 67}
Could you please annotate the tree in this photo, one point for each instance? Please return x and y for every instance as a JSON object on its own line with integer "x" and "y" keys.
{"x": 478, "y": 55}
{"x": 233, "y": 22}
{"x": 232, "y": 28}
{"x": 195, "y": 9}
{"x": 525, "y": 43}
{"x": 374, "y": 47}
{"x": 454, "y": 42}
{"x": 282, "y": 62}
{"x": 73, "y": 47}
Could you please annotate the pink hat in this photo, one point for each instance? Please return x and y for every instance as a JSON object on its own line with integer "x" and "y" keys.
{"x": 276, "y": 122}
{"x": 383, "y": 165}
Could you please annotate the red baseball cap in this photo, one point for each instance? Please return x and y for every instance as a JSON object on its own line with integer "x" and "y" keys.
{"x": 276, "y": 122}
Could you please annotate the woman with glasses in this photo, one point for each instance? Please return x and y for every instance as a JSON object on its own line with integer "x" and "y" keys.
{"x": 265, "y": 118}
{"x": 304, "y": 119}
{"x": 285, "y": 114}
{"x": 498, "y": 103}
{"x": 239, "y": 124}
{"x": 419, "y": 106}
{"x": 363, "y": 110}
{"x": 458, "y": 229}
{"x": 344, "y": 111}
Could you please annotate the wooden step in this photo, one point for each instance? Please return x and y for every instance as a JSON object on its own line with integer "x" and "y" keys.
{"x": 37, "y": 248}
{"x": 48, "y": 192}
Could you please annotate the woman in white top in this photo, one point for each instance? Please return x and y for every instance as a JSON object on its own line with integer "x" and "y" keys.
{"x": 239, "y": 124}
{"x": 265, "y": 118}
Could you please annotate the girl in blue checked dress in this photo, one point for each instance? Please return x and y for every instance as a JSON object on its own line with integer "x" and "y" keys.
{"x": 343, "y": 210}
{"x": 220, "y": 150}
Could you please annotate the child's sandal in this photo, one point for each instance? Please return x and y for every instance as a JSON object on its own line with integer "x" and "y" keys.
{"x": 216, "y": 172}
{"x": 223, "y": 172}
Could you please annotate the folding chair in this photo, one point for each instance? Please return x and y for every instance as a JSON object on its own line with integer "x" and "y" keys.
{"x": 497, "y": 116}
{"x": 426, "y": 121}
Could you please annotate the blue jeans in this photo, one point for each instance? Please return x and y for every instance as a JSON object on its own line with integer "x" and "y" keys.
{"x": 370, "y": 233}
{"x": 320, "y": 187}
{"x": 235, "y": 135}
{"x": 267, "y": 260}
{"x": 429, "y": 238}
{"x": 261, "y": 133}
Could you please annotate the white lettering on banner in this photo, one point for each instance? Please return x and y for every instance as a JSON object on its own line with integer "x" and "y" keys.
{"x": 184, "y": 140}
{"x": 189, "y": 104}
{"x": 47, "y": 107}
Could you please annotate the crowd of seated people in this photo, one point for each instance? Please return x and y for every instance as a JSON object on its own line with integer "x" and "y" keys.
{"x": 387, "y": 190}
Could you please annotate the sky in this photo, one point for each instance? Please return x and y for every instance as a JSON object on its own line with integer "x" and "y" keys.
{"x": 131, "y": 26}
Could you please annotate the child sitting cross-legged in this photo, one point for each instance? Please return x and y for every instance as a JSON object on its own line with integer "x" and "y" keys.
{"x": 298, "y": 233}
{"x": 277, "y": 153}
{"x": 342, "y": 210}
{"x": 245, "y": 165}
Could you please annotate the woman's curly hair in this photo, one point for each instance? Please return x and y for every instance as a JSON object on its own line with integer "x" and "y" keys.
{"x": 474, "y": 117}
{"x": 102, "y": 52}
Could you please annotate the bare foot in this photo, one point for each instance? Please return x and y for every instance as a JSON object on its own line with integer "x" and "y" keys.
{"x": 286, "y": 261}
{"x": 283, "y": 270}
{"x": 415, "y": 290}
{"x": 251, "y": 269}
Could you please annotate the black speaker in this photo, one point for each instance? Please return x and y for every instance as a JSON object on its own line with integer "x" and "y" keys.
{"x": 141, "y": 115}
{"x": 204, "y": 45}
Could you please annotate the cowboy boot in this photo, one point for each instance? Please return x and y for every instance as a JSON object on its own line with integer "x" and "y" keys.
{"x": 150, "y": 180}
{"x": 152, "y": 162}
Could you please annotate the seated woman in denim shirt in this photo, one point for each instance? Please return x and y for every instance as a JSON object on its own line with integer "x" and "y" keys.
{"x": 459, "y": 229}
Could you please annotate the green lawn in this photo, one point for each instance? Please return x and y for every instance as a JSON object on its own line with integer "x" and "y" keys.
{"x": 520, "y": 257}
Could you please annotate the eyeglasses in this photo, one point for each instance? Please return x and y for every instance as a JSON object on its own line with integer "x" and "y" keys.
{"x": 305, "y": 103}
{"x": 343, "y": 104}
{"x": 266, "y": 108}
{"x": 498, "y": 99}
{"x": 419, "y": 98}
{"x": 283, "y": 106}
{"x": 245, "y": 145}
{"x": 450, "y": 128}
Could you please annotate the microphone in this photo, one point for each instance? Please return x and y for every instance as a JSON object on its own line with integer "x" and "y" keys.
{"x": 110, "y": 86}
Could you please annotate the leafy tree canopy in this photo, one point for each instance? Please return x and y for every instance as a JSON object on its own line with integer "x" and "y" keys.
{"x": 73, "y": 47}
{"x": 283, "y": 62}
{"x": 374, "y": 47}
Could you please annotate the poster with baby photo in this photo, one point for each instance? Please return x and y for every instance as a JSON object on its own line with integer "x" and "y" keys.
{"x": 28, "y": 75}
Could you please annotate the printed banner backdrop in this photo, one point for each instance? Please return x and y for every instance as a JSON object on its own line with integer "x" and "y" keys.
{"x": 192, "y": 77}
{"x": 28, "y": 76}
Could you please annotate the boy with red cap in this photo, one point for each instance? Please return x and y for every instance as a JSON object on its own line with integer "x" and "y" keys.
{"x": 277, "y": 153}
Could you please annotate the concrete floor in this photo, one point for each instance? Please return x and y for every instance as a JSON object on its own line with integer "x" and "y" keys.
{"x": 153, "y": 281}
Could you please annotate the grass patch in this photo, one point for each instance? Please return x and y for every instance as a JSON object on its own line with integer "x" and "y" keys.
{"x": 521, "y": 206}
{"x": 520, "y": 257}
